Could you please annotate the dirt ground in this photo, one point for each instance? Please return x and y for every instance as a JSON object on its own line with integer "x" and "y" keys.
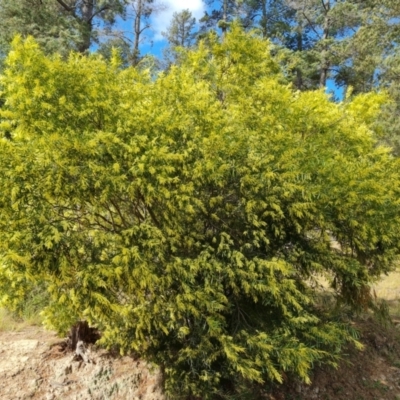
{"x": 33, "y": 366}
{"x": 371, "y": 374}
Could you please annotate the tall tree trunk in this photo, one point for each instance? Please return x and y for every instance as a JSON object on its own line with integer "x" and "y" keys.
{"x": 85, "y": 20}
{"x": 137, "y": 30}
{"x": 299, "y": 75}
{"x": 325, "y": 35}
{"x": 224, "y": 17}
{"x": 87, "y": 28}
{"x": 87, "y": 24}
{"x": 264, "y": 20}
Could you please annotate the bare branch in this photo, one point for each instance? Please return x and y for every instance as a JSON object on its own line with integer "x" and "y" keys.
{"x": 66, "y": 6}
{"x": 106, "y": 7}
{"x": 325, "y": 5}
{"x": 311, "y": 25}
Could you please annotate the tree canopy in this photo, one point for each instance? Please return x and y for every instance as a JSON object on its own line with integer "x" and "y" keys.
{"x": 187, "y": 215}
{"x": 58, "y": 25}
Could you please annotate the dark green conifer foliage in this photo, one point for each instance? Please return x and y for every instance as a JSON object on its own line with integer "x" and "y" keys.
{"x": 43, "y": 19}
{"x": 58, "y": 25}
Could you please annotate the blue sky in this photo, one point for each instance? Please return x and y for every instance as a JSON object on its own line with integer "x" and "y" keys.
{"x": 152, "y": 39}
{"x": 338, "y": 93}
{"x": 153, "y": 42}
{"x": 161, "y": 20}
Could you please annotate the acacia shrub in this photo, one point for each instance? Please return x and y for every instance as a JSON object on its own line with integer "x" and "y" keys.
{"x": 184, "y": 216}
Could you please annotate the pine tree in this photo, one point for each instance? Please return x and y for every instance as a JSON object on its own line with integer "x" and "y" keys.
{"x": 180, "y": 35}
{"x": 180, "y": 32}
{"x": 373, "y": 62}
{"x": 58, "y": 25}
{"x": 139, "y": 13}
{"x": 43, "y": 19}
{"x": 86, "y": 12}
{"x": 223, "y": 13}
{"x": 323, "y": 31}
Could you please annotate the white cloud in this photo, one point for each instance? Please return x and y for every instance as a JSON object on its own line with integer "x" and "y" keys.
{"x": 161, "y": 20}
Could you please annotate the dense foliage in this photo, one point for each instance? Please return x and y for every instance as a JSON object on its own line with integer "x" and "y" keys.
{"x": 186, "y": 216}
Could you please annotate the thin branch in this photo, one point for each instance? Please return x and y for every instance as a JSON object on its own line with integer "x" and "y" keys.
{"x": 111, "y": 215}
{"x": 98, "y": 224}
{"x": 311, "y": 25}
{"x": 144, "y": 28}
{"x": 119, "y": 212}
{"x": 106, "y": 7}
{"x": 323, "y": 4}
{"x": 153, "y": 216}
{"x": 66, "y": 6}
{"x": 148, "y": 208}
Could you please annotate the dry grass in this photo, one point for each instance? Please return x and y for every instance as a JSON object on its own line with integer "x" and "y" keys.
{"x": 10, "y": 322}
{"x": 389, "y": 289}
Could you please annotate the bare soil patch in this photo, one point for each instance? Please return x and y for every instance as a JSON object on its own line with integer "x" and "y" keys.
{"x": 33, "y": 366}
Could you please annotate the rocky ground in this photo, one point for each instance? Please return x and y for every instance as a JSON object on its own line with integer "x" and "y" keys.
{"x": 33, "y": 366}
